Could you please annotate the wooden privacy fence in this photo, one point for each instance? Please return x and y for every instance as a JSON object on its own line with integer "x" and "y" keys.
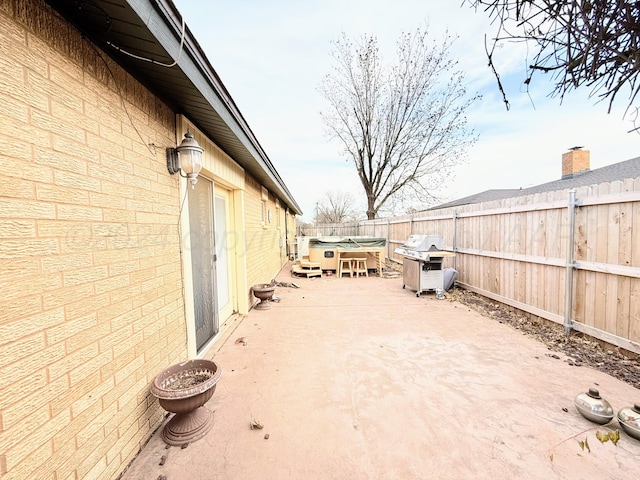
{"x": 569, "y": 256}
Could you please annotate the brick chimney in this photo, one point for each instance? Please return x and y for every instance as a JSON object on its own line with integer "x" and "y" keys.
{"x": 575, "y": 162}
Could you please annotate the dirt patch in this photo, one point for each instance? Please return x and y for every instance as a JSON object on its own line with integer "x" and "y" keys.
{"x": 579, "y": 349}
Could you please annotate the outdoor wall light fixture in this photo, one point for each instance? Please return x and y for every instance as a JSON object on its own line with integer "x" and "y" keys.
{"x": 187, "y": 158}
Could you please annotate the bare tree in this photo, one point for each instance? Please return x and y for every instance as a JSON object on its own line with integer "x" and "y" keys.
{"x": 581, "y": 42}
{"x": 336, "y": 207}
{"x": 403, "y": 126}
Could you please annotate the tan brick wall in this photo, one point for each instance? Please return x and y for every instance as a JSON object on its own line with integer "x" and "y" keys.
{"x": 91, "y": 307}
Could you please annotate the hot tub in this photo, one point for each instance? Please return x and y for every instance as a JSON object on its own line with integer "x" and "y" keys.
{"x": 327, "y": 251}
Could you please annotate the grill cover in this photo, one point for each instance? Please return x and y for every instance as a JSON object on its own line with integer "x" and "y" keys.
{"x": 422, "y": 247}
{"x": 423, "y": 243}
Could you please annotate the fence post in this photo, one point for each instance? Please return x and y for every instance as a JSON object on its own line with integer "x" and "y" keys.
{"x": 454, "y": 245}
{"x": 568, "y": 282}
{"x": 388, "y": 237}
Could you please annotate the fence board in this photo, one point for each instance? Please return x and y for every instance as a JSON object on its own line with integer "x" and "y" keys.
{"x": 635, "y": 233}
{"x": 625, "y": 243}
{"x": 613, "y": 245}
{"x": 555, "y": 287}
{"x": 589, "y": 298}
{"x": 579, "y": 296}
{"x": 623, "y": 310}
{"x": 600, "y": 301}
{"x": 634, "y": 314}
{"x": 540, "y": 294}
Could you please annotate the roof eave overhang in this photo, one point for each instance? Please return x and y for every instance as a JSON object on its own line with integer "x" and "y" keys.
{"x": 154, "y": 30}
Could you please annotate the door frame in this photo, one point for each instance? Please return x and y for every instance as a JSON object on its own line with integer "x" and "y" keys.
{"x": 226, "y": 311}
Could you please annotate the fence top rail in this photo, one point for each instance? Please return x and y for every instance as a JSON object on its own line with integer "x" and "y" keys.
{"x": 619, "y": 197}
{"x": 582, "y": 196}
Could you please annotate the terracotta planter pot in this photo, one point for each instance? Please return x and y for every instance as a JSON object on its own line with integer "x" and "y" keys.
{"x": 183, "y": 389}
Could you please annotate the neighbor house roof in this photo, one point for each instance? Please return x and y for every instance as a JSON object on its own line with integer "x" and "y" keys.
{"x": 610, "y": 173}
{"x": 144, "y": 37}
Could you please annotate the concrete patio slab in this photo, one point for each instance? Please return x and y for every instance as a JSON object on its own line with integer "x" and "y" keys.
{"x": 359, "y": 379}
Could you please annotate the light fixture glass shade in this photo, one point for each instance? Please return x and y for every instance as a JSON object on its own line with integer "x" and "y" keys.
{"x": 190, "y": 157}
{"x": 190, "y": 161}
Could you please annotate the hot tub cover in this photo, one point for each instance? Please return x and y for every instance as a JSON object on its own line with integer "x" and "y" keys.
{"x": 347, "y": 242}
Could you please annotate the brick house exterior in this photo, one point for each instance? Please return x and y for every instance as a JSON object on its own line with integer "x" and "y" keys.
{"x": 96, "y": 266}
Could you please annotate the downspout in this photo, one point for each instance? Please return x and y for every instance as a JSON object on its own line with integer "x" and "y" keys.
{"x": 568, "y": 282}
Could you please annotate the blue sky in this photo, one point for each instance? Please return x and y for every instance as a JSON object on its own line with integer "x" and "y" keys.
{"x": 272, "y": 54}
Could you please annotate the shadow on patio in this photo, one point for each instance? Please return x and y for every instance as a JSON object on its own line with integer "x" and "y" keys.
{"x": 359, "y": 379}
